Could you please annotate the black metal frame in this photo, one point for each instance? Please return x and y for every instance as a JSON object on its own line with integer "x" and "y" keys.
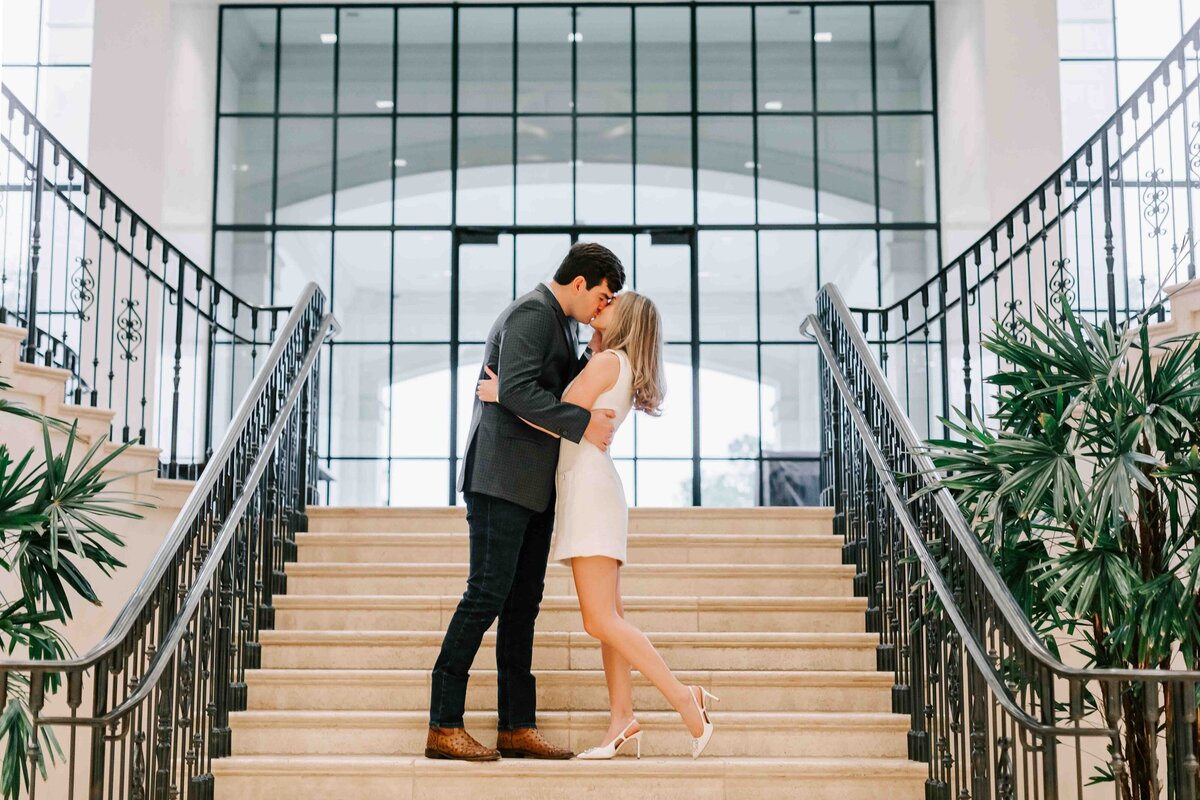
{"x": 693, "y": 230}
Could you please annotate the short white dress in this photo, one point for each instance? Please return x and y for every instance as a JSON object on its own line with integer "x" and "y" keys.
{"x": 591, "y": 517}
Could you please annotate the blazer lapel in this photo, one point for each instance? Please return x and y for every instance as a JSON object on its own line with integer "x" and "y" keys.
{"x": 564, "y": 323}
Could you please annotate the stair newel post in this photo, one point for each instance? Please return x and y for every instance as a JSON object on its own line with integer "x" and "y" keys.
{"x": 1106, "y": 195}
{"x": 35, "y": 252}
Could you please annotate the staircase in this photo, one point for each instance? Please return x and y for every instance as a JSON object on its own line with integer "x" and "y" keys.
{"x": 753, "y": 603}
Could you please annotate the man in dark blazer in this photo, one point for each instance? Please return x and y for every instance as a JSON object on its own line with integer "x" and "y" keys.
{"x": 507, "y": 481}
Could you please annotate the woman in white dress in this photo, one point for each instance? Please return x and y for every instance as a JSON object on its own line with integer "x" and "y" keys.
{"x": 592, "y": 519}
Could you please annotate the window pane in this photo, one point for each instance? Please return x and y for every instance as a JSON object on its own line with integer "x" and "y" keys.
{"x": 421, "y": 300}
{"x": 664, "y": 176}
{"x": 785, "y": 173}
{"x": 420, "y": 404}
{"x": 903, "y": 67}
{"x": 909, "y": 258}
{"x": 358, "y": 379}
{"x": 723, "y": 59}
{"x": 603, "y": 59}
{"x": 243, "y": 263}
{"x": 248, "y": 60}
{"x": 424, "y": 54}
{"x": 664, "y": 483}
{"x": 663, "y": 55}
{"x": 422, "y": 166}
{"x": 244, "y": 171}
{"x": 1131, "y": 75}
{"x": 544, "y": 170}
{"x": 604, "y": 171}
{"x": 791, "y": 400}
{"x": 64, "y": 103}
{"x": 906, "y": 184}
{"x": 358, "y": 482}
{"x": 1146, "y": 28}
{"x": 544, "y": 60}
{"x": 1085, "y": 29}
{"x": 663, "y": 271}
{"x": 1089, "y": 92}
{"x": 792, "y": 482}
{"x": 726, "y": 170}
{"x": 846, "y": 164}
{"x": 485, "y": 171}
{"x": 305, "y": 171}
{"x": 727, "y": 285}
{"x": 843, "y": 42}
{"x": 784, "y": 38}
{"x": 671, "y": 434}
{"x": 306, "y": 60}
{"x": 362, "y": 264}
{"x": 728, "y": 484}
{"x": 728, "y": 380}
{"x": 20, "y": 25}
{"x": 364, "y": 172}
{"x": 67, "y": 27}
{"x": 538, "y": 256}
{"x": 485, "y": 286}
{"x": 848, "y": 260}
{"x": 419, "y": 483}
{"x": 365, "y": 39}
{"x": 485, "y": 68}
{"x": 301, "y": 257}
{"x": 787, "y": 266}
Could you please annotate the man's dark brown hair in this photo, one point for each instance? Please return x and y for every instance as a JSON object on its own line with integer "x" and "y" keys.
{"x": 595, "y": 263}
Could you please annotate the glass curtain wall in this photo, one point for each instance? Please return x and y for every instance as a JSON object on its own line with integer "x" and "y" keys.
{"x": 427, "y": 163}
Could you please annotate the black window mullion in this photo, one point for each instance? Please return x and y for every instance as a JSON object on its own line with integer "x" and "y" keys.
{"x": 695, "y": 263}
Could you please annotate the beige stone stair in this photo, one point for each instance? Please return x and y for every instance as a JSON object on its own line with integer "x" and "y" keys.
{"x": 753, "y": 603}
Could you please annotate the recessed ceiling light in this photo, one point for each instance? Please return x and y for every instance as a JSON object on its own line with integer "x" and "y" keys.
{"x": 401, "y": 162}
{"x": 751, "y": 165}
{"x": 575, "y": 36}
{"x": 328, "y": 38}
{"x": 773, "y": 105}
{"x": 384, "y": 104}
{"x": 241, "y": 167}
{"x": 823, "y": 36}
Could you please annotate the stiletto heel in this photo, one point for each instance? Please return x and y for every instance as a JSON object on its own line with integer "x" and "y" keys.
{"x": 701, "y": 741}
{"x": 601, "y": 752}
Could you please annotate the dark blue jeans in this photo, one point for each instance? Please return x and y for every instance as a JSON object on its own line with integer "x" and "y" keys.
{"x": 509, "y": 548}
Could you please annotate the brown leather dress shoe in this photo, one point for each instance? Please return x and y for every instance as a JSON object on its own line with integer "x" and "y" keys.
{"x": 456, "y": 743}
{"x": 528, "y": 743}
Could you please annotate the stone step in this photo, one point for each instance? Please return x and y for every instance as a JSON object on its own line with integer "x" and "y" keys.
{"x": 671, "y": 548}
{"x": 562, "y": 650}
{"x": 679, "y": 778}
{"x": 762, "y": 733}
{"x": 817, "y": 519}
{"x": 561, "y": 613}
{"x": 565, "y": 690}
{"x": 824, "y": 580}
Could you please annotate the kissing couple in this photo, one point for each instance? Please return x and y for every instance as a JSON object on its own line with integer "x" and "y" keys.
{"x": 542, "y": 422}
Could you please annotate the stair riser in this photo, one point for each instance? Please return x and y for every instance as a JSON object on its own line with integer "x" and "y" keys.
{"x": 569, "y": 620}
{"x": 884, "y": 741}
{"x": 452, "y": 552}
{"x": 680, "y": 584}
{"x": 552, "y": 696}
{"x": 457, "y": 781}
{"x": 582, "y": 656}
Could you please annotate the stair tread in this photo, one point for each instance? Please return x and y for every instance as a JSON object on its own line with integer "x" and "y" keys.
{"x": 579, "y": 637}
{"x": 769, "y": 677}
{"x": 457, "y": 567}
{"x": 421, "y": 537}
{"x": 841, "y": 720}
{"x": 830, "y": 602}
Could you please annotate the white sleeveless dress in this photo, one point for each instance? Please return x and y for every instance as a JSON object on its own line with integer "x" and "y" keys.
{"x": 591, "y": 517}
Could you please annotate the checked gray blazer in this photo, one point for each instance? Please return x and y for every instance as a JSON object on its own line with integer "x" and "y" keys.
{"x": 532, "y": 347}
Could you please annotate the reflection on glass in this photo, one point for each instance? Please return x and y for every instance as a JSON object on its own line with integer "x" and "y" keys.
{"x": 727, "y": 170}
{"x": 664, "y": 177}
{"x": 787, "y": 275}
{"x": 422, "y": 166}
{"x": 364, "y": 171}
{"x": 906, "y": 185}
{"x": 248, "y": 59}
{"x": 485, "y": 286}
{"x": 365, "y": 45}
{"x": 908, "y": 259}
{"x": 723, "y": 59}
{"x": 663, "y": 53}
{"x": 243, "y": 263}
{"x": 420, "y": 400}
{"x": 728, "y": 307}
{"x": 728, "y": 380}
{"x": 784, "y": 53}
{"x": 485, "y": 172}
{"x": 544, "y": 170}
{"x": 846, "y": 169}
{"x": 791, "y": 400}
{"x": 843, "y": 40}
{"x": 424, "y": 52}
{"x": 301, "y": 257}
{"x": 544, "y": 41}
{"x": 362, "y": 261}
{"x": 903, "y": 68}
{"x": 307, "y": 40}
{"x": 305, "y": 171}
{"x": 485, "y": 52}
{"x": 728, "y": 484}
{"x": 785, "y": 173}
{"x": 359, "y": 400}
{"x": 421, "y": 298}
{"x": 244, "y": 171}
{"x": 603, "y": 59}
{"x": 604, "y": 171}
{"x": 848, "y": 260}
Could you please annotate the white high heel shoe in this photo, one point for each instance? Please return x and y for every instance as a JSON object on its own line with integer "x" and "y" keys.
{"x": 701, "y": 741}
{"x": 609, "y": 750}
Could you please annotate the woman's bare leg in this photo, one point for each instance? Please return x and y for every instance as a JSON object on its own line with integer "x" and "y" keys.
{"x": 620, "y": 681}
{"x": 596, "y": 584}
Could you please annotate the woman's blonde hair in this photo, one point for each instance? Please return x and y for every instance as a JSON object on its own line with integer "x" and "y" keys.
{"x": 636, "y": 329}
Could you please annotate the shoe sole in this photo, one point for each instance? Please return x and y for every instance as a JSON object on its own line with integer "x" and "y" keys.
{"x": 431, "y": 753}
{"x": 506, "y": 753}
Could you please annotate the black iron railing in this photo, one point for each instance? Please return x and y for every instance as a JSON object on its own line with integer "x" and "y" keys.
{"x": 991, "y": 711}
{"x": 143, "y": 330}
{"x": 1107, "y": 231}
{"x": 146, "y": 710}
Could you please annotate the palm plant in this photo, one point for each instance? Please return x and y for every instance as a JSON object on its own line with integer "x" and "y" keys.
{"x": 50, "y": 524}
{"x": 1083, "y": 488}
